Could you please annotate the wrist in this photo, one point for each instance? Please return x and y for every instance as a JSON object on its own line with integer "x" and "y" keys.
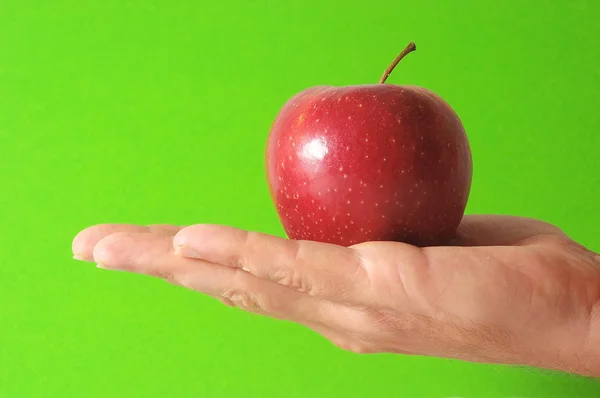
{"x": 593, "y": 343}
{"x": 572, "y": 349}
{"x": 585, "y": 358}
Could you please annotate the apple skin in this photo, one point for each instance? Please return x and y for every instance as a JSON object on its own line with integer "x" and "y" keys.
{"x": 379, "y": 162}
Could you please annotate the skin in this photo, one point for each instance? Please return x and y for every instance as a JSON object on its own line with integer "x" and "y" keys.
{"x": 511, "y": 291}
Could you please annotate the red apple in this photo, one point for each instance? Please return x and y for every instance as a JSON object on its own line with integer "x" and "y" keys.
{"x": 369, "y": 163}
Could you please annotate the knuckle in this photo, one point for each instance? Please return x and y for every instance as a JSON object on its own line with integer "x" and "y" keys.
{"x": 243, "y": 300}
{"x": 242, "y": 294}
{"x": 294, "y": 279}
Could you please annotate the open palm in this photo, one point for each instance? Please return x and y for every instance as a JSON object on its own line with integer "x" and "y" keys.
{"x": 511, "y": 290}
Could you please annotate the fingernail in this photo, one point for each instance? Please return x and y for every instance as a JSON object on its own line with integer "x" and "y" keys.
{"x": 78, "y": 257}
{"x": 101, "y": 266}
{"x": 185, "y": 251}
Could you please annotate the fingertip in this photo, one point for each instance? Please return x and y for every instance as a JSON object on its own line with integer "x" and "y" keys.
{"x": 111, "y": 250}
{"x": 86, "y": 240}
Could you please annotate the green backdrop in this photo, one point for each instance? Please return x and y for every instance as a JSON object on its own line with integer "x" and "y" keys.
{"x": 157, "y": 112}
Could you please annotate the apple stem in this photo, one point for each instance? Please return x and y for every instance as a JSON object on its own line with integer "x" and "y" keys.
{"x": 410, "y": 48}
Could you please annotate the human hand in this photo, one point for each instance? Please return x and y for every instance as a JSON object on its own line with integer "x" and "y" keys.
{"x": 511, "y": 291}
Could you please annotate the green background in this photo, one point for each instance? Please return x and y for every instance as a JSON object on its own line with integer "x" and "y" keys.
{"x": 157, "y": 112}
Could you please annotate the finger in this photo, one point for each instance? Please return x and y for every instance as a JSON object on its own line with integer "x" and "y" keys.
{"x": 153, "y": 254}
{"x": 501, "y": 230}
{"x": 85, "y": 241}
{"x": 328, "y": 271}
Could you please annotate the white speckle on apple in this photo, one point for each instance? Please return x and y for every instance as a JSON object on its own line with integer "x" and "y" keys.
{"x": 384, "y": 159}
{"x": 348, "y": 214}
{"x": 360, "y": 105}
{"x": 345, "y": 176}
{"x": 348, "y": 202}
{"x": 349, "y": 189}
{"x": 349, "y": 117}
{"x": 346, "y": 226}
{"x": 334, "y": 189}
{"x": 381, "y": 186}
{"x": 341, "y": 168}
{"x": 362, "y": 202}
{"x": 376, "y": 204}
{"x": 296, "y": 196}
{"x": 347, "y": 147}
{"x": 393, "y": 140}
{"x": 317, "y": 121}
